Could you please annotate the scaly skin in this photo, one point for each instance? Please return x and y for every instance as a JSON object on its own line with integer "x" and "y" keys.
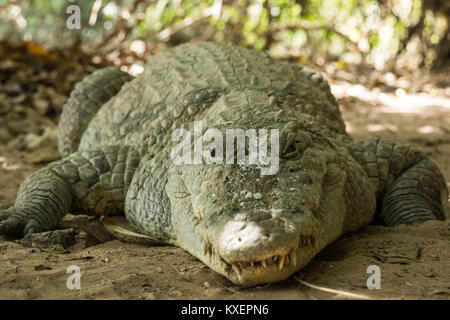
{"x": 326, "y": 184}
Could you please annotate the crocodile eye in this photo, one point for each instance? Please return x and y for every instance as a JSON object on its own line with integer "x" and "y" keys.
{"x": 291, "y": 150}
{"x": 294, "y": 142}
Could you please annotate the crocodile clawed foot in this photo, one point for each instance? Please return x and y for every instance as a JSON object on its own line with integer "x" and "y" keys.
{"x": 14, "y": 223}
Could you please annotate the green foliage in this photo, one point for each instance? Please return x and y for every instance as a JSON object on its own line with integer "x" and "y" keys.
{"x": 373, "y": 30}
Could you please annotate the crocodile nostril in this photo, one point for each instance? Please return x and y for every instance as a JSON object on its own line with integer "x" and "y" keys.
{"x": 294, "y": 169}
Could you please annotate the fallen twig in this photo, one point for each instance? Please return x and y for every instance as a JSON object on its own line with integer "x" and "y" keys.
{"x": 339, "y": 292}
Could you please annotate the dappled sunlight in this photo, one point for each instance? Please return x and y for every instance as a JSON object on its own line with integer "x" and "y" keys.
{"x": 381, "y": 127}
{"x": 6, "y": 165}
{"x": 398, "y": 102}
{"x": 135, "y": 69}
{"x": 392, "y": 107}
{"x": 428, "y": 130}
{"x": 349, "y": 127}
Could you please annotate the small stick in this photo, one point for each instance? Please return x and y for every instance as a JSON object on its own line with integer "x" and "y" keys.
{"x": 344, "y": 293}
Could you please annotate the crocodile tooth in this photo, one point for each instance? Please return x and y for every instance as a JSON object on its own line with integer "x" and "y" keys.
{"x": 252, "y": 263}
{"x": 263, "y": 262}
{"x": 293, "y": 256}
{"x": 275, "y": 258}
{"x": 205, "y": 249}
{"x": 315, "y": 244}
{"x": 287, "y": 259}
{"x": 281, "y": 263}
{"x": 236, "y": 269}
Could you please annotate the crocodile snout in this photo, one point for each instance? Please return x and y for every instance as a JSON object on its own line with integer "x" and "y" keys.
{"x": 265, "y": 243}
{"x": 256, "y": 235}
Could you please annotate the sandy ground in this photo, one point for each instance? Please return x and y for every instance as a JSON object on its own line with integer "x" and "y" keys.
{"x": 413, "y": 260}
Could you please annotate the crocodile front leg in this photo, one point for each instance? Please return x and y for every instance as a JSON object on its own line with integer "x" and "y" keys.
{"x": 93, "y": 182}
{"x": 410, "y": 188}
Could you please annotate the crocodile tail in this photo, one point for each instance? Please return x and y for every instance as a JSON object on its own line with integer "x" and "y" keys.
{"x": 84, "y": 102}
{"x": 410, "y": 189}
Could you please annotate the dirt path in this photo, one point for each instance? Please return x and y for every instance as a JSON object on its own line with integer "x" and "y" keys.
{"x": 413, "y": 260}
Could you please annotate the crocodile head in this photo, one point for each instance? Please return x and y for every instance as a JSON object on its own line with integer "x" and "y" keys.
{"x": 256, "y": 228}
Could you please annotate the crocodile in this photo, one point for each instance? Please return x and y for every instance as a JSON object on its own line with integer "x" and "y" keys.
{"x": 116, "y": 136}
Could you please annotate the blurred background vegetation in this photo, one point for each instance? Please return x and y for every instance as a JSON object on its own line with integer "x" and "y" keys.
{"x": 382, "y": 34}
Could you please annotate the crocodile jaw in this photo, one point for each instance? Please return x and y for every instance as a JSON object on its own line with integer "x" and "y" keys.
{"x": 274, "y": 268}
{"x": 250, "y": 252}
